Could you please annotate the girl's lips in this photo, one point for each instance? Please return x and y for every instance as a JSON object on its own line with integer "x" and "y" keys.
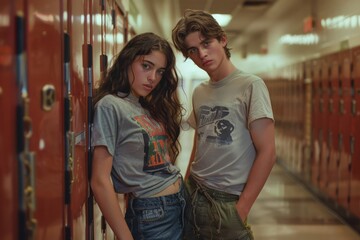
{"x": 148, "y": 87}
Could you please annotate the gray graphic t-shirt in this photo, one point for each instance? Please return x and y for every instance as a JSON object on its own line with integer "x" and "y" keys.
{"x": 138, "y": 144}
{"x": 222, "y": 113}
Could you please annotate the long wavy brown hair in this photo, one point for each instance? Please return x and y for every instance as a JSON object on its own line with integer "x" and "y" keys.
{"x": 163, "y": 102}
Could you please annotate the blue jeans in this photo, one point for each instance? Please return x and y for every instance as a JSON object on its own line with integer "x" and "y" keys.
{"x": 157, "y": 218}
{"x": 212, "y": 215}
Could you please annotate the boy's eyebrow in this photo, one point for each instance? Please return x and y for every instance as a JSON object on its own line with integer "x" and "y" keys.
{"x": 204, "y": 40}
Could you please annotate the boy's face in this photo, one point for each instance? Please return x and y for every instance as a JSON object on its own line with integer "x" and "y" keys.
{"x": 207, "y": 54}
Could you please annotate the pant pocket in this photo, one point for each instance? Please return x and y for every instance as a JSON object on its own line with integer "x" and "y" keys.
{"x": 233, "y": 227}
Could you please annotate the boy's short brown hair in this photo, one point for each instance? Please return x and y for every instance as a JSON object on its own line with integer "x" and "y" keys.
{"x": 197, "y": 21}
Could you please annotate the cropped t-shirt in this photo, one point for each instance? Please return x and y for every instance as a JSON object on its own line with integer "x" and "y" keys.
{"x": 138, "y": 144}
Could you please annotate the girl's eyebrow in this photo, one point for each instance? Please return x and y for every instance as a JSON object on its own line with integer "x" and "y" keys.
{"x": 152, "y": 64}
{"x": 148, "y": 61}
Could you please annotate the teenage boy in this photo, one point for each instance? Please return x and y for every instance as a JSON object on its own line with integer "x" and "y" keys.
{"x": 234, "y": 143}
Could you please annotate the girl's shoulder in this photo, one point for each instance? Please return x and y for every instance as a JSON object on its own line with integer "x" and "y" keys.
{"x": 110, "y": 101}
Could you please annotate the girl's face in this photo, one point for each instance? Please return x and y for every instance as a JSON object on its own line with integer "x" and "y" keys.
{"x": 146, "y": 72}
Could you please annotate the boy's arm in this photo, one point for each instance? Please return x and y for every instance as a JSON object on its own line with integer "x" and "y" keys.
{"x": 263, "y": 136}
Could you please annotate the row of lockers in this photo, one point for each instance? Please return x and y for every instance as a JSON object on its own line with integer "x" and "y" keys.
{"x": 317, "y": 110}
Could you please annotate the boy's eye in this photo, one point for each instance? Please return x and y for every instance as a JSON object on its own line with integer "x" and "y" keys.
{"x": 192, "y": 51}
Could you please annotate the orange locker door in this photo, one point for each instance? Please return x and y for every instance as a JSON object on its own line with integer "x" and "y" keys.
{"x": 355, "y": 135}
{"x": 76, "y": 127}
{"x": 9, "y": 106}
{"x": 43, "y": 35}
{"x": 344, "y": 128}
{"x": 333, "y": 132}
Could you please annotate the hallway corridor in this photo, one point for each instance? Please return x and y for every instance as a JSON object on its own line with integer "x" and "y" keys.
{"x": 286, "y": 210}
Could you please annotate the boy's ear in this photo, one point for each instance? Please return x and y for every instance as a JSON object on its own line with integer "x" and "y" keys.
{"x": 223, "y": 40}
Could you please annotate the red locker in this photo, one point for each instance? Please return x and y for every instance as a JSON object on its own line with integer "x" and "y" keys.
{"x": 324, "y": 122}
{"x": 355, "y": 135}
{"x": 9, "y": 102}
{"x": 43, "y": 35}
{"x": 333, "y": 131}
{"x": 76, "y": 36}
{"x": 99, "y": 64}
{"x": 299, "y": 117}
{"x": 291, "y": 112}
{"x": 316, "y": 123}
{"x": 306, "y": 103}
{"x": 344, "y": 128}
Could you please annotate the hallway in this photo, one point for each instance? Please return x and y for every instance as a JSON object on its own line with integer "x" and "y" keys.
{"x": 286, "y": 210}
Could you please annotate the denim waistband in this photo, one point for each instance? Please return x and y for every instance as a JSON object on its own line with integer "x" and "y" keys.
{"x": 155, "y": 201}
{"x": 215, "y": 194}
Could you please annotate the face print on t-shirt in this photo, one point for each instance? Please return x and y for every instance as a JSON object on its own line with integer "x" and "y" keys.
{"x": 221, "y": 129}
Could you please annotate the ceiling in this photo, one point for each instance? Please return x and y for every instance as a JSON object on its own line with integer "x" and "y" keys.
{"x": 251, "y": 18}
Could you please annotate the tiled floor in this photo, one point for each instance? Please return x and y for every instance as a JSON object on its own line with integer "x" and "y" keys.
{"x": 285, "y": 209}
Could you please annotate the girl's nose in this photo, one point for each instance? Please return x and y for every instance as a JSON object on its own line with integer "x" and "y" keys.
{"x": 151, "y": 76}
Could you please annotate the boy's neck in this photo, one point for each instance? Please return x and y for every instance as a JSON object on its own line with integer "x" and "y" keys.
{"x": 223, "y": 71}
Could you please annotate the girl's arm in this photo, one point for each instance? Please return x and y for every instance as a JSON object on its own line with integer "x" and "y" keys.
{"x": 105, "y": 195}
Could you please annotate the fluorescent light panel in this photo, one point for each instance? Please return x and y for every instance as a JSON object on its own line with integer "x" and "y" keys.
{"x": 222, "y": 19}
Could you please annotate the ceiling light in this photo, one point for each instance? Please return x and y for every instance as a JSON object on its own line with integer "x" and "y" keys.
{"x": 222, "y": 19}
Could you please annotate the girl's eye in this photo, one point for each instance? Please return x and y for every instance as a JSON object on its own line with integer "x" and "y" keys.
{"x": 161, "y": 72}
{"x": 146, "y": 66}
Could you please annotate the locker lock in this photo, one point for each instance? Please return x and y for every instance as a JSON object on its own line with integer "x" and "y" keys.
{"x": 353, "y": 107}
{"x": 48, "y": 97}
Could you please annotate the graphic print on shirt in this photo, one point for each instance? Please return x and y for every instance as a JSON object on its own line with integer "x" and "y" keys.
{"x": 213, "y": 125}
{"x": 156, "y": 157}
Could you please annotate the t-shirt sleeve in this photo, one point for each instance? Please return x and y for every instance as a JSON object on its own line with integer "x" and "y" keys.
{"x": 259, "y": 102}
{"x": 104, "y": 127}
{"x": 191, "y": 120}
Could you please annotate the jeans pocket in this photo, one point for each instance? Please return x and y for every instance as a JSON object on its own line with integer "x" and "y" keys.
{"x": 150, "y": 215}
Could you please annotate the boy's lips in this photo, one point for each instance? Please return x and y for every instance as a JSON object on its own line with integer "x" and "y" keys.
{"x": 205, "y": 63}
